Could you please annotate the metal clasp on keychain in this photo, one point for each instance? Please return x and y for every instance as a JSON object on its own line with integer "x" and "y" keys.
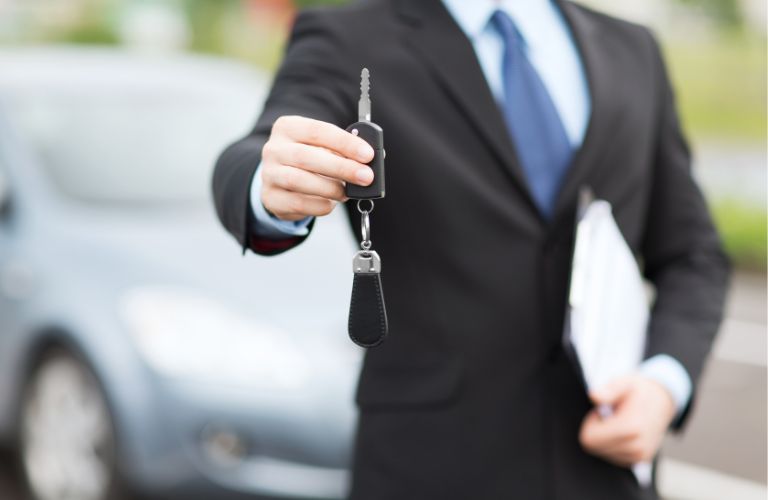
{"x": 366, "y": 261}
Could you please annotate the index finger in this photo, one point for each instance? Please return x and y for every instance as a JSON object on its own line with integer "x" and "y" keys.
{"x": 327, "y": 135}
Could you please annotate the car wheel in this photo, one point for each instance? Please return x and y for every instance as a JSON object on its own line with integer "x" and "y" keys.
{"x": 67, "y": 434}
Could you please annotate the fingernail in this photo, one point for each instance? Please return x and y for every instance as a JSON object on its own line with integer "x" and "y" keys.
{"x": 364, "y": 175}
{"x": 365, "y": 152}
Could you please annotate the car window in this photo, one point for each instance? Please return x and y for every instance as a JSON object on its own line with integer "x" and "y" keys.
{"x": 126, "y": 146}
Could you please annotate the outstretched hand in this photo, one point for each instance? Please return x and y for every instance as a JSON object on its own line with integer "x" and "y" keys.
{"x": 305, "y": 165}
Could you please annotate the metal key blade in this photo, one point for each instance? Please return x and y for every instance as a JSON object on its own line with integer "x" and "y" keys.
{"x": 364, "y": 106}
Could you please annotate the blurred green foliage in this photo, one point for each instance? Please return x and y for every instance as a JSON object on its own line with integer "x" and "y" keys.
{"x": 311, "y": 3}
{"x": 725, "y": 12}
{"x": 92, "y": 34}
{"x": 207, "y": 20}
{"x": 743, "y": 229}
{"x": 93, "y": 26}
{"x": 721, "y": 86}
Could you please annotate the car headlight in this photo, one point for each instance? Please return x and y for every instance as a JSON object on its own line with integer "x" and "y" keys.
{"x": 183, "y": 334}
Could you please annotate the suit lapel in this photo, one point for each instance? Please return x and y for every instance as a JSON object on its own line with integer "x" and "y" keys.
{"x": 439, "y": 42}
{"x": 597, "y": 68}
{"x": 436, "y": 38}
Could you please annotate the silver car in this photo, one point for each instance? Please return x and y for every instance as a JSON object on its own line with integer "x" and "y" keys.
{"x": 140, "y": 352}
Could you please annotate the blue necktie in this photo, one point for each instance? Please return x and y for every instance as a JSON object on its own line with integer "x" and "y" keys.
{"x": 542, "y": 145}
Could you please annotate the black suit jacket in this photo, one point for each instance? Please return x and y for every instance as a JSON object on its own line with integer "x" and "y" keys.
{"x": 471, "y": 396}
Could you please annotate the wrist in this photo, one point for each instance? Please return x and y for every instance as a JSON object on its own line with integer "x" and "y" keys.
{"x": 267, "y": 224}
{"x": 665, "y": 395}
{"x": 670, "y": 375}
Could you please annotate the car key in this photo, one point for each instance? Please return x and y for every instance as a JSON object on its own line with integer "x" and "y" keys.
{"x": 368, "y": 325}
{"x": 373, "y": 135}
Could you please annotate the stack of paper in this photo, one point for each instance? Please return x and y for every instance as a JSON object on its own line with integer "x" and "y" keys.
{"x": 608, "y": 305}
{"x": 608, "y": 302}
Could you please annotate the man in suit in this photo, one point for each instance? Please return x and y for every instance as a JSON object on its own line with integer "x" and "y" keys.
{"x": 495, "y": 114}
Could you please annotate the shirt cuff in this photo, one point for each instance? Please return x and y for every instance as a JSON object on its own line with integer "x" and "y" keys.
{"x": 670, "y": 373}
{"x": 267, "y": 225}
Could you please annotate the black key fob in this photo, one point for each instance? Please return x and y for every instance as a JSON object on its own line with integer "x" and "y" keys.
{"x": 373, "y": 135}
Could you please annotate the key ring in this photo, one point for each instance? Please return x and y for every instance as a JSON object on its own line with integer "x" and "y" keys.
{"x": 365, "y": 229}
{"x": 365, "y": 225}
{"x": 360, "y": 209}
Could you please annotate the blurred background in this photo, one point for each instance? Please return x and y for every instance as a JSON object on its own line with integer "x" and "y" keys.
{"x": 130, "y": 367}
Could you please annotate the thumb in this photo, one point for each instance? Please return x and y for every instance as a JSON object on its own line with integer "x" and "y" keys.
{"x": 611, "y": 393}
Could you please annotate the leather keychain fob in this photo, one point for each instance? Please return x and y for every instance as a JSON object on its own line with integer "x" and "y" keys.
{"x": 368, "y": 325}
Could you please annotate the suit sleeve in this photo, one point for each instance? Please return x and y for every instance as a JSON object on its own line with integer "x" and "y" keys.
{"x": 682, "y": 253}
{"x": 310, "y": 82}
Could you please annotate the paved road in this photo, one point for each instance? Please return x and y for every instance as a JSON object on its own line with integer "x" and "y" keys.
{"x": 722, "y": 453}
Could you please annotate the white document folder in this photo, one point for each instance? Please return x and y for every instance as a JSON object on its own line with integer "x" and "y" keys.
{"x": 608, "y": 306}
